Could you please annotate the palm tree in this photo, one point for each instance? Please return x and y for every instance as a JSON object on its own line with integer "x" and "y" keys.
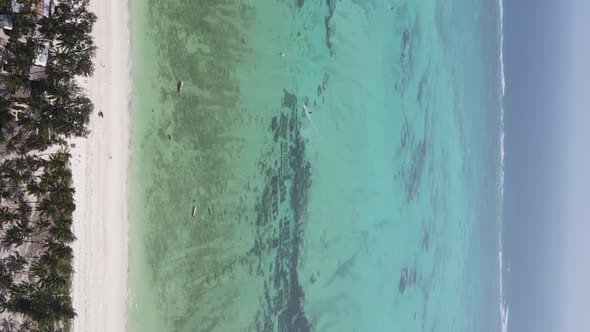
{"x": 34, "y": 188}
{"x": 57, "y": 109}
{"x": 68, "y": 118}
{"x": 24, "y": 211}
{"x": 25, "y": 326}
{"x": 32, "y": 162}
{"x": 15, "y": 80}
{"x": 5, "y": 282}
{"x": 73, "y": 18}
{"x": 42, "y": 224}
{"x": 76, "y": 61}
{"x": 48, "y": 308}
{"x": 22, "y": 57}
{"x": 10, "y": 174}
{"x": 71, "y": 27}
{"x": 54, "y": 281}
{"x": 21, "y": 289}
{"x": 15, "y": 236}
{"x": 48, "y": 208}
{"x": 7, "y": 216}
{"x": 61, "y": 91}
{"x": 15, "y": 262}
{"x": 38, "y": 141}
{"x": 5, "y": 116}
{"x": 10, "y": 194}
{"x": 59, "y": 250}
{"x": 22, "y": 25}
{"x": 40, "y": 269}
{"x": 60, "y": 159}
{"x": 7, "y": 324}
{"x": 62, "y": 233}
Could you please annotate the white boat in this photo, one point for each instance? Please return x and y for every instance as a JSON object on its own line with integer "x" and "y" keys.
{"x": 180, "y": 86}
{"x": 194, "y": 211}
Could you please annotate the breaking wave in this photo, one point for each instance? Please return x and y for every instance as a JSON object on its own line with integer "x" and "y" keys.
{"x": 504, "y": 310}
{"x": 502, "y": 79}
{"x": 503, "y": 305}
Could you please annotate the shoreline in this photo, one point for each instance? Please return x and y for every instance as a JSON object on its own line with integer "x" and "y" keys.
{"x": 99, "y": 169}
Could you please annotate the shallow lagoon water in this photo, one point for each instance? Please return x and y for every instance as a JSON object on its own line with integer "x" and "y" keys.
{"x": 375, "y": 208}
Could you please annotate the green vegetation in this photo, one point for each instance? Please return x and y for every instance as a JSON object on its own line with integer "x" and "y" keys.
{"x": 37, "y": 115}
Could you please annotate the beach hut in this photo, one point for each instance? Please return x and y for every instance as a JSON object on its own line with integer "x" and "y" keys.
{"x": 43, "y": 8}
{"x": 6, "y": 21}
{"x": 2, "y": 58}
{"x": 37, "y": 73}
{"x": 42, "y": 54}
{"x": 15, "y": 6}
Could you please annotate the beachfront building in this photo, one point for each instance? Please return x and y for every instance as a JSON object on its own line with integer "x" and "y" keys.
{"x": 41, "y": 9}
{"x": 15, "y": 6}
{"x": 44, "y": 8}
{"x": 6, "y": 22}
{"x": 36, "y": 121}
{"x": 38, "y": 69}
{"x": 42, "y": 54}
{"x": 37, "y": 73}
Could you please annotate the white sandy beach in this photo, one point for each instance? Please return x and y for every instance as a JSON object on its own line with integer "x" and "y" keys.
{"x": 100, "y": 178}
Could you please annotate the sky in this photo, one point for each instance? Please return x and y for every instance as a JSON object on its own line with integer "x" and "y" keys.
{"x": 577, "y": 209}
{"x": 544, "y": 202}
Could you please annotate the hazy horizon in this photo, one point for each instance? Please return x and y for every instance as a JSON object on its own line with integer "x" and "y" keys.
{"x": 547, "y": 193}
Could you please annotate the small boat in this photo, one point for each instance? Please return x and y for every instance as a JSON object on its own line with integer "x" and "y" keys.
{"x": 194, "y": 211}
{"x": 180, "y": 86}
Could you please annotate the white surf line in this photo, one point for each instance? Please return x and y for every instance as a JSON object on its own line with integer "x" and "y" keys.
{"x": 309, "y": 118}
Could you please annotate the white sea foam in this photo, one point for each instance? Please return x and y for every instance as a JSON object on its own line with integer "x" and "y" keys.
{"x": 503, "y": 81}
{"x": 504, "y": 309}
{"x": 503, "y": 305}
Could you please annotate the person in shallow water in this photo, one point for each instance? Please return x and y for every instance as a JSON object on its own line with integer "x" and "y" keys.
{"x": 100, "y": 114}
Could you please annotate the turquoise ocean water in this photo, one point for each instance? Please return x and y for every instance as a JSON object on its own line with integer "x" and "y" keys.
{"x": 343, "y": 158}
